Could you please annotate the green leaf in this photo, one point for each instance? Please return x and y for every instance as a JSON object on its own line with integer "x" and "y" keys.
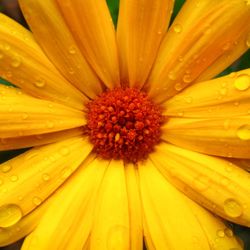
{"x": 114, "y": 9}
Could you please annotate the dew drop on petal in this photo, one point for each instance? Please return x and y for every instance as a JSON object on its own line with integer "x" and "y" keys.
{"x": 229, "y": 232}
{"x": 6, "y": 47}
{"x": 220, "y": 233}
{"x": 36, "y": 200}
{"x": 226, "y": 46}
{"x": 177, "y": 28}
{"x": 50, "y": 124}
{"x": 189, "y": 99}
{"x": 243, "y": 132}
{"x": 45, "y": 177}
{"x": 72, "y": 50}
{"x": 10, "y": 214}
{"x": 178, "y": 86}
{"x": 5, "y": 168}
{"x": 242, "y": 82}
{"x": 202, "y": 183}
{"x": 64, "y": 151}
{"x": 16, "y": 63}
{"x": 39, "y": 83}
{"x": 248, "y": 42}
{"x": 187, "y": 78}
{"x": 66, "y": 172}
{"x": 232, "y": 208}
{"x": 225, "y": 181}
{"x": 14, "y": 178}
{"x": 171, "y": 75}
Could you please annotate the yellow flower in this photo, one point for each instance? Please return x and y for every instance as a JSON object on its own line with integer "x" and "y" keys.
{"x": 66, "y": 192}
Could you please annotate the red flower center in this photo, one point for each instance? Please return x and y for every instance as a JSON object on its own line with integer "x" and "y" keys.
{"x": 124, "y": 124}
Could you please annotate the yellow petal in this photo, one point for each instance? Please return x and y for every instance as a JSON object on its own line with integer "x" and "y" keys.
{"x": 141, "y": 27}
{"x": 30, "y": 178}
{"x": 23, "y": 63}
{"x": 111, "y": 218}
{"x": 70, "y": 214}
{"x": 228, "y": 137}
{"x": 203, "y": 40}
{"x": 164, "y": 209}
{"x": 22, "y": 115}
{"x": 23, "y": 227}
{"x": 37, "y": 140}
{"x": 134, "y": 204}
{"x": 93, "y": 30}
{"x": 216, "y": 184}
{"x": 223, "y": 97}
{"x": 45, "y": 19}
{"x": 219, "y": 235}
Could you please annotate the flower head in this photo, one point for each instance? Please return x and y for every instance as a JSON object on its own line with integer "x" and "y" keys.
{"x": 132, "y": 138}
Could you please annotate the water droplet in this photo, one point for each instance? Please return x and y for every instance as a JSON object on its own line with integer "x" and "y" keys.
{"x": 202, "y": 183}
{"x": 229, "y": 167}
{"x": 45, "y": 177}
{"x": 10, "y": 214}
{"x": 228, "y": 232}
{"x": 172, "y": 75}
{"x": 39, "y": 83}
{"x": 243, "y": 132}
{"x": 189, "y": 99}
{"x": 187, "y": 78}
{"x": 71, "y": 71}
{"x": 180, "y": 59}
{"x": 223, "y": 91}
{"x": 14, "y": 178}
{"x": 72, "y": 50}
{"x": 20, "y": 197}
{"x": 5, "y": 168}
{"x": 64, "y": 151}
{"x": 248, "y": 42}
{"x": 16, "y": 63}
{"x": 242, "y": 82}
{"x": 177, "y": 28}
{"x": 247, "y": 2}
{"x": 37, "y": 201}
{"x": 225, "y": 181}
{"x": 226, "y": 46}
{"x": 232, "y": 208}
{"x": 50, "y": 124}
{"x": 178, "y": 86}
{"x": 6, "y": 46}
{"x": 66, "y": 172}
{"x": 220, "y": 233}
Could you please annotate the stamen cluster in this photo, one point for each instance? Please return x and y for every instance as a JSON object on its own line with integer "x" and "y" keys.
{"x": 124, "y": 124}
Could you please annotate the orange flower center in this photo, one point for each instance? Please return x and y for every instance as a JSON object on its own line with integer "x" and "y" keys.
{"x": 124, "y": 124}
